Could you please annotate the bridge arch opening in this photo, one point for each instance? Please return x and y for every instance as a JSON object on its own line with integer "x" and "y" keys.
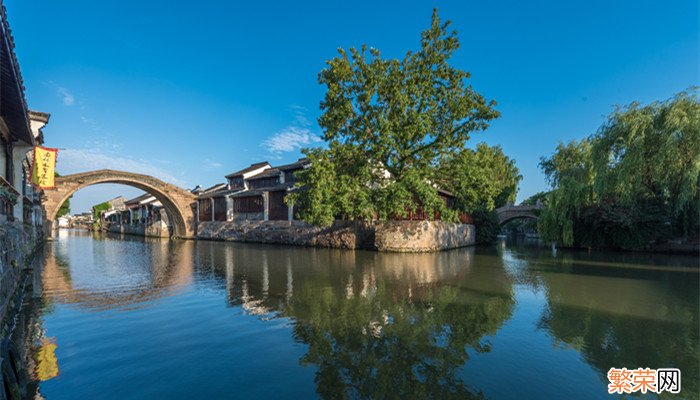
{"x": 176, "y": 201}
{"x": 504, "y": 222}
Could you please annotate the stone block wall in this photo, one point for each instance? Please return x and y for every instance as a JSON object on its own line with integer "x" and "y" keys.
{"x": 395, "y": 236}
{"x": 420, "y": 236}
{"x": 259, "y": 216}
{"x": 18, "y": 242}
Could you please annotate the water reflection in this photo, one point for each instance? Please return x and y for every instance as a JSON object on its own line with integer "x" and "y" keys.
{"x": 354, "y": 324}
{"x": 125, "y": 275}
{"x": 639, "y": 311}
{"x": 376, "y": 325}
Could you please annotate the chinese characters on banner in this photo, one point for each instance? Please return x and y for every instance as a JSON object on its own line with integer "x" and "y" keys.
{"x": 44, "y": 167}
{"x": 623, "y": 380}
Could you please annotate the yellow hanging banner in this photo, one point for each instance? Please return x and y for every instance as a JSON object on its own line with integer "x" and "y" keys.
{"x": 44, "y": 167}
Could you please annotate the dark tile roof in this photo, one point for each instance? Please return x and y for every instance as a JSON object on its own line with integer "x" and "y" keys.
{"x": 217, "y": 193}
{"x": 214, "y": 188}
{"x": 298, "y": 164}
{"x": 268, "y": 173}
{"x": 251, "y": 168}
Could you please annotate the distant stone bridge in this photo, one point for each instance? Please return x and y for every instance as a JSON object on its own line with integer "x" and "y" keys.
{"x": 511, "y": 212}
{"x": 177, "y": 202}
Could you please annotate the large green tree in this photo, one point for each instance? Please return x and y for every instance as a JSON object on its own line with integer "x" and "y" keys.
{"x": 387, "y": 123}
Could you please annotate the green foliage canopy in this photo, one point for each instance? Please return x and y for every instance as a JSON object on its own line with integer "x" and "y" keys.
{"x": 652, "y": 152}
{"x": 97, "y": 209}
{"x": 484, "y": 178}
{"x": 487, "y": 226}
{"x": 570, "y": 174}
{"x": 541, "y": 197}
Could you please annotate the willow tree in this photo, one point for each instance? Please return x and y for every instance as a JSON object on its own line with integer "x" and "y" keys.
{"x": 569, "y": 172}
{"x": 652, "y": 153}
{"x": 387, "y": 123}
{"x": 636, "y": 180}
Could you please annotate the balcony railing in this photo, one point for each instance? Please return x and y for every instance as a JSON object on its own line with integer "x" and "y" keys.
{"x": 6, "y": 206}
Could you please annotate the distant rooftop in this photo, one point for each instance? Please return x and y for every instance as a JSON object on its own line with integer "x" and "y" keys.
{"x": 138, "y": 198}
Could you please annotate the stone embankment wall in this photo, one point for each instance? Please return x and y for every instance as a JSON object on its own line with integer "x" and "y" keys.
{"x": 17, "y": 245}
{"x": 396, "y": 236}
{"x": 407, "y": 236}
{"x": 156, "y": 229}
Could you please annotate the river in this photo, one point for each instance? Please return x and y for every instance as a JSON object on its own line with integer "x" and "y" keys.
{"x": 134, "y": 318}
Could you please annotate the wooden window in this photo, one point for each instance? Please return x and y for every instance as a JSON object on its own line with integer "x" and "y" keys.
{"x": 250, "y": 204}
{"x": 290, "y": 176}
{"x": 220, "y": 209}
{"x": 236, "y": 183}
{"x": 205, "y": 210}
{"x": 266, "y": 182}
{"x": 277, "y": 208}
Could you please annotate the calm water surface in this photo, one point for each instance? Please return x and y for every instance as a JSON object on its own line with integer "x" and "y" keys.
{"x": 133, "y": 318}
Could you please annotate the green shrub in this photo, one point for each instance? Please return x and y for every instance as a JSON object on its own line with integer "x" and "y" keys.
{"x": 487, "y": 226}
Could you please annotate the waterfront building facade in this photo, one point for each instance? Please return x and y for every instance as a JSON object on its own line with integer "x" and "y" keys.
{"x": 21, "y": 213}
{"x": 255, "y": 193}
{"x": 20, "y": 131}
{"x": 143, "y": 215}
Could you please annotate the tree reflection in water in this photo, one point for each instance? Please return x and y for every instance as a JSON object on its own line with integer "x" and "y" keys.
{"x": 386, "y": 345}
{"x": 632, "y": 313}
{"x": 376, "y": 325}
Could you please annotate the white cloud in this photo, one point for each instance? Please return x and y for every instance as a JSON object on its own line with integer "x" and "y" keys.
{"x": 300, "y": 116}
{"x": 66, "y": 96}
{"x": 289, "y": 139}
{"x": 72, "y": 161}
{"x": 294, "y": 137}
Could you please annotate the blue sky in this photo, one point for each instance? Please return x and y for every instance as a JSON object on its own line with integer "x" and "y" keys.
{"x": 190, "y": 91}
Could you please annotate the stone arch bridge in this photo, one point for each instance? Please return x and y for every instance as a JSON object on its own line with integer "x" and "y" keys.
{"x": 511, "y": 212}
{"x": 177, "y": 202}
